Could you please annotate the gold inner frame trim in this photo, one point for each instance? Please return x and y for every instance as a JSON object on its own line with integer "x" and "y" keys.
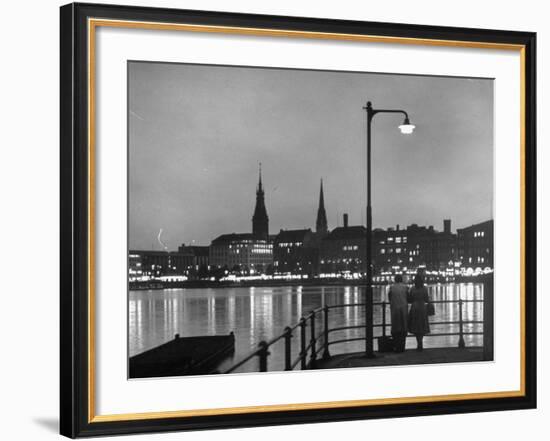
{"x": 92, "y": 25}
{"x": 300, "y": 406}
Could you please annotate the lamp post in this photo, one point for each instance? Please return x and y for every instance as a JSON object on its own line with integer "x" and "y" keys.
{"x": 406, "y": 128}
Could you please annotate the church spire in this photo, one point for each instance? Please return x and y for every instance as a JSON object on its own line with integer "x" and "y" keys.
{"x": 260, "y": 221}
{"x": 321, "y": 224}
{"x": 260, "y": 179}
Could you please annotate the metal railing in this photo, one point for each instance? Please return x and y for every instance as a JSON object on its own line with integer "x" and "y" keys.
{"x": 314, "y": 341}
{"x": 308, "y": 349}
{"x": 460, "y": 322}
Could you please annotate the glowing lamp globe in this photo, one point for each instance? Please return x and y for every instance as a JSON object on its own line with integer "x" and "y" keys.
{"x": 407, "y": 128}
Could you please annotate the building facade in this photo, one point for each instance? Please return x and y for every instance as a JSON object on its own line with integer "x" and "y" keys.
{"x": 416, "y": 247}
{"x": 242, "y": 252}
{"x": 199, "y": 257}
{"x": 475, "y": 245}
{"x": 434, "y": 250}
{"x": 135, "y": 266}
{"x": 343, "y": 251}
{"x": 390, "y": 252}
{"x": 295, "y": 252}
{"x": 153, "y": 264}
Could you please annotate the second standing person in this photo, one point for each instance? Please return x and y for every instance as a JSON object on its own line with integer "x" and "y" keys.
{"x": 418, "y": 315}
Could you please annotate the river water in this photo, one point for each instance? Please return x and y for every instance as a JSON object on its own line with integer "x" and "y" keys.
{"x": 261, "y": 313}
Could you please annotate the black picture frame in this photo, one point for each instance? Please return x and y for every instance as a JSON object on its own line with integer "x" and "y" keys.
{"x": 75, "y": 415}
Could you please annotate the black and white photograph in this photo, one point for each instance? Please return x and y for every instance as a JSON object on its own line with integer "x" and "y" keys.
{"x": 275, "y": 220}
{"x": 259, "y": 241}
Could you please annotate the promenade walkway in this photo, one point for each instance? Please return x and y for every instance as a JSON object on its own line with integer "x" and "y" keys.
{"x": 409, "y": 357}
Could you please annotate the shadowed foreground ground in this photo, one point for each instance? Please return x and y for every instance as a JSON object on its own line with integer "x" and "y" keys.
{"x": 410, "y": 356}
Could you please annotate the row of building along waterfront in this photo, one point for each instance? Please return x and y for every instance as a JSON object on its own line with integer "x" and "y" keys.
{"x": 323, "y": 253}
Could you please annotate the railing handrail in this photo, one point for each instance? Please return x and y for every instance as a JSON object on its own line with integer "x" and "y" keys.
{"x": 264, "y": 346}
{"x": 292, "y": 328}
{"x": 243, "y": 361}
{"x": 348, "y": 305}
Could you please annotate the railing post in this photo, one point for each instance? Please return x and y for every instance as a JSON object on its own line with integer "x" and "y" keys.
{"x": 313, "y": 357}
{"x": 383, "y": 319}
{"x": 326, "y": 353}
{"x": 262, "y": 354}
{"x": 461, "y": 343}
{"x": 488, "y": 318}
{"x": 288, "y": 337}
{"x": 303, "y": 354}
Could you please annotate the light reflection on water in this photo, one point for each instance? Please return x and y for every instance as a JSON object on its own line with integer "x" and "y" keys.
{"x": 261, "y": 313}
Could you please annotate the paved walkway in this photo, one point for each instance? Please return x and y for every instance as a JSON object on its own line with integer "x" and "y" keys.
{"x": 410, "y": 356}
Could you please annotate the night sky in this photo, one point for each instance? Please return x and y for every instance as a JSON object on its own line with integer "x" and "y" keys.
{"x": 197, "y": 134}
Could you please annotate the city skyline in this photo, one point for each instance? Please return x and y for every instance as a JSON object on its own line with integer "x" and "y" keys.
{"x": 195, "y": 188}
{"x": 438, "y": 225}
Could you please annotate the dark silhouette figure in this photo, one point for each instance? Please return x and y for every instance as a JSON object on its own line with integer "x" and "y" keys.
{"x": 418, "y": 315}
{"x": 399, "y": 308}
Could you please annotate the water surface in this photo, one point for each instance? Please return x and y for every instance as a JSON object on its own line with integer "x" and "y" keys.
{"x": 261, "y": 313}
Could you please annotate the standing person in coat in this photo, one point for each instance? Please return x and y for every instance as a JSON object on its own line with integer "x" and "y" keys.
{"x": 418, "y": 315}
{"x": 399, "y": 308}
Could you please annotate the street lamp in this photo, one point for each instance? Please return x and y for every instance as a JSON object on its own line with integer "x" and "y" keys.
{"x": 406, "y": 128}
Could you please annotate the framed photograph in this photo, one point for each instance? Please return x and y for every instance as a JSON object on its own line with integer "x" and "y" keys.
{"x": 274, "y": 220}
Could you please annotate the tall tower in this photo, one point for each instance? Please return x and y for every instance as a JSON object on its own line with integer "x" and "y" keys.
{"x": 260, "y": 221}
{"x": 321, "y": 224}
